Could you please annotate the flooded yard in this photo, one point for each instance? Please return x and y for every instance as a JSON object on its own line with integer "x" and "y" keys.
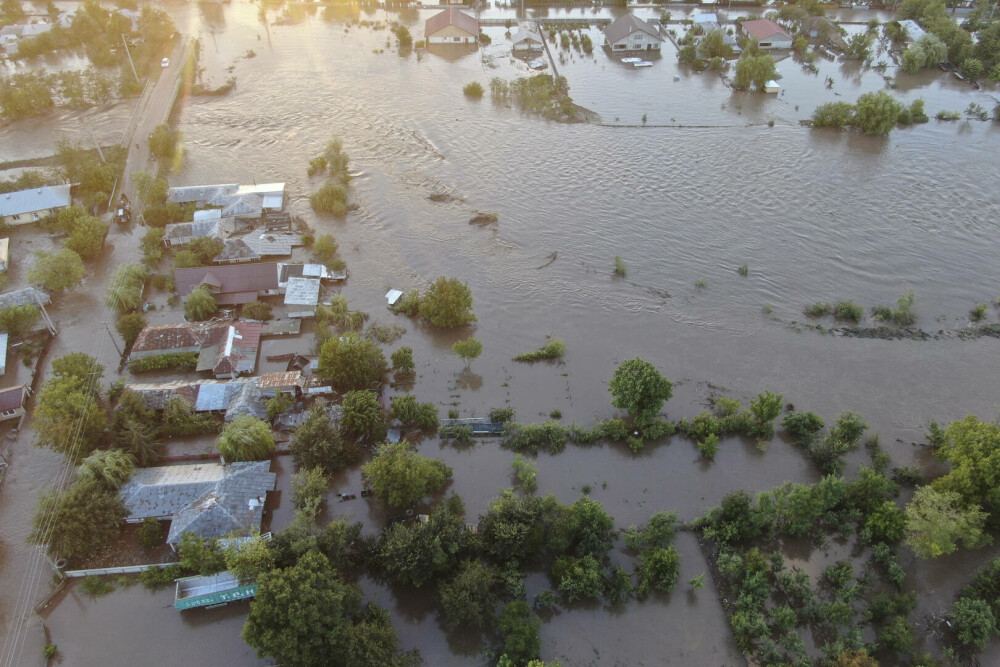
{"x": 814, "y": 215}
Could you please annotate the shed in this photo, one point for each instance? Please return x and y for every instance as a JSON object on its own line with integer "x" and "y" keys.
{"x": 630, "y": 33}
{"x": 769, "y": 35}
{"x": 771, "y": 86}
{"x": 912, "y": 29}
{"x": 526, "y": 40}
{"x": 3, "y": 353}
{"x": 12, "y": 402}
{"x": 4, "y": 253}
{"x": 392, "y": 296}
{"x": 213, "y": 590}
{"x": 26, "y": 206}
{"x": 451, "y": 27}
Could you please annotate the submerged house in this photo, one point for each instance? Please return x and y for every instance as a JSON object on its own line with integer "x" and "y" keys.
{"x": 182, "y": 233}
{"x": 26, "y": 206}
{"x": 241, "y": 396}
{"x": 227, "y": 350}
{"x": 451, "y": 27}
{"x": 769, "y": 35}
{"x": 243, "y": 201}
{"x": 209, "y": 500}
{"x": 233, "y": 284}
{"x": 526, "y": 40}
{"x": 629, "y": 33}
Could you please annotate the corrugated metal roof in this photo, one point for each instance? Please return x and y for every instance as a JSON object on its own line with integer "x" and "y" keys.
{"x": 200, "y": 193}
{"x": 207, "y": 214}
{"x": 451, "y": 16}
{"x": 35, "y": 199}
{"x": 272, "y": 243}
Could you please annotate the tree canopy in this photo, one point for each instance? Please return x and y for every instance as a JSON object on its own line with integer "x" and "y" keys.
{"x": 972, "y": 447}
{"x": 754, "y": 70}
{"x": 468, "y": 597}
{"x": 937, "y": 520}
{"x": 352, "y": 362}
{"x": 447, "y": 303}
{"x": 57, "y": 271}
{"x": 400, "y": 477}
{"x": 468, "y": 349}
{"x": 69, "y": 417}
{"x": 317, "y": 442}
{"x": 200, "y": 304}
{"x": 246, "y": 438}
{"x": 79, "y": 520}
{"x": 639, "y": 389}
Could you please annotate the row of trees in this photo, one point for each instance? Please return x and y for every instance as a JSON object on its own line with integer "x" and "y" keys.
{"x": 873, "y": 113}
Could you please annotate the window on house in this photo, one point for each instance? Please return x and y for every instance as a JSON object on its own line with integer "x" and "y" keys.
{"x": 619, "y": 47}
{"x": 457, "y": 39}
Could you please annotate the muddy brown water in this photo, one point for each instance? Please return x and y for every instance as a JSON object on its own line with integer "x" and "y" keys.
{"x": 814, "y": 215}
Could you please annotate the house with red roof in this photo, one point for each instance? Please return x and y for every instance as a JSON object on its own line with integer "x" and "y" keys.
{"x": 769, "y": 35}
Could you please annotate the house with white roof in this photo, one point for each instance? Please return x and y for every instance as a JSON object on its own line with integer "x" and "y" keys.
{"x": 26, "y": 206}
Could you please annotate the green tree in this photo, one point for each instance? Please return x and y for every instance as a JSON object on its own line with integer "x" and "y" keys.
{"x": 69, "y": 417}
{"x": 87, "y": 237}
{"x": 936, "y": 521}
{"x": 402, "y": 360}
{"x": 352, "y": 362}
{"x": 713, "y": 45}
{"x": 584, "y": 529}
{"x": 200, "y": 555}
{"x": 658, "y": 568}
{"x": 279, "y": 405}
{"x": 249, "y": 560}
{"x": 974, "y": 622}
{"x": 447, "y": 303}
{"x": 753, "y": 71}
{"x": 257, "y": 310}
{"x": 149, "y": 533}
{"x": 246, "y": 438}
{"x": 409, "y": 413}
{"x": 876, "y": 112}
{"x": 400, "y": 477}
{"x": 414, "y": 553}
{"x": 468, "y": 349}
{"x": 317, "y": 442}
{"x": 19, "y": 321}
{"x": 515, "y": 526}
{"x": 108, "y": 467}
{"x": 163, "y": 141}
{"x": 519, "y": 627}
{"x": 972, "y": 68}
{"x": 331, "y": 199}
{"x": 579, "y": 577}
{"x": 972, "y": 447}
{"x": 468, "y": 598}
{"x": 362, "y": 416}
{"x": 57, "y": 271}
{"x": 130, "y": 326}
{"x": 301, "y": 613}
{"x": 205, "y": 249}
{"x": 371, "y": 640}
{"x": 639, "y": 389}
{"x": 78, "y": 521}
{"x": 127, "y": 285}
{"x": 833, "y": 114}
{"x": 200, "y": 304}
{"x": 309, "y": 487}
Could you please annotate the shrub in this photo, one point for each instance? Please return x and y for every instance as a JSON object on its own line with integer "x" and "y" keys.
{"x": 362, "y": 416}
{"x": 709, "y": 446}
{"x": 257, "y": 311}
{"x": 447, "y": 303}
{"x": 833, "y": 114}
{"x": 330, "y": 199}
{"x": 468, "y": 349}
{"x": 309, "y": 487}
{"x": 325, "y": 248}
{"x": 948, "y": 115}
{"x": 149, "y": 533}
{"x": 95, "y": 587}
{"x": 978, "y": 312}
{"x": 474, "y": 89}
{"x": 127, "y": 284}
{"x": 180, "y": 361}
{"x": 551, "y": 350}
{"x": 620, "y": 268}
{"x": 408, "y": 412}
{"x": 658, "y": 568}
{"x": 402, "y": 360}
{"x": 848, "y": 311}
{"x": 352, "y": 362}
{"x": 818, "y": 309}
{"x": 876, "y": 112}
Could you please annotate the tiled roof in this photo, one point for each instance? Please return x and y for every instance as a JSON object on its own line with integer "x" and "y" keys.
{"x": 763, "y": 29}
{"x": 164, "y": 338}
{"x": 236, "y": 251}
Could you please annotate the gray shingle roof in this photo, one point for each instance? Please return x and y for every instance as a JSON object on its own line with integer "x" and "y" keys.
{"x": 625, "y": 25}
{"x": 209, "y": 500}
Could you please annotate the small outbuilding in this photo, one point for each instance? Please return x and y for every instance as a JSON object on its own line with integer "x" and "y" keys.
{"x": 12, "y": 402}
{"x": 451, "y": 27}
{"x": 769, "y": 35}
{"x": 771, "y": 87}
{"x": 526, "y": 40}
{"x": 629, "y": 33}
{"x": 4, "y": 253}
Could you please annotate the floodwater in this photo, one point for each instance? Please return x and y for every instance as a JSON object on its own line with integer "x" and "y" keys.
{"x": 814, "y": 215}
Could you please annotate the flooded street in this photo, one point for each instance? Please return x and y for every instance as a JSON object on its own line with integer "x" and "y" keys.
{"x": 815, "y": 216}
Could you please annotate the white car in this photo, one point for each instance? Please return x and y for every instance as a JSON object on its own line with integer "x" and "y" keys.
{"x": 165, "y": 63}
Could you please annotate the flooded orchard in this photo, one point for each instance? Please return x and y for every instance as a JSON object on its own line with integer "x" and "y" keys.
{"x": 814, "y": 215}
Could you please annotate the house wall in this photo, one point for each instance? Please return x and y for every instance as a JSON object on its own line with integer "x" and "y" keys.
{"x": 527, "y": 45}
{"x": 777, "y": 41}
{"x": 142, "y": 354}
{"x": 637, "y": 41}
{"x": 28, "y": 218}
{"x": 451, "y": 35}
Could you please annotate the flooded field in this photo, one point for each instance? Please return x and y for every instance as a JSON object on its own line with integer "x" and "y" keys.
{"x": 814, "y": 215}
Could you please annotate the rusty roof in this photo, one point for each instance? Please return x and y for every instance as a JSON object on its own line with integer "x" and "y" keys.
{"x": 170, "y": 337}
{"x": 284, "y": 379}
{"x": 763, "y": 29}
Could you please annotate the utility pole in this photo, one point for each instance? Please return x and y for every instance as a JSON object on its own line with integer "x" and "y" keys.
{"x": 129, "y": 54}
{"x": 120, "y": 353}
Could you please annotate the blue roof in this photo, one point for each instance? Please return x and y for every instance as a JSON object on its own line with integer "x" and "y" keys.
{"x": 35, "y": 199}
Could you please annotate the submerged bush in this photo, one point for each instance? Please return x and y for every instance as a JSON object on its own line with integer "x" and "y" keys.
{"x": 551, "y": 350}
{"x": 848, "y": 311}
{"x": 330, "y": 199}
{"x": 474, "y": 89}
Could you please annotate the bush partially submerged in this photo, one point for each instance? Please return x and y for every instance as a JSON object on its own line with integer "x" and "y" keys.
{"x": 551, "y": 350}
